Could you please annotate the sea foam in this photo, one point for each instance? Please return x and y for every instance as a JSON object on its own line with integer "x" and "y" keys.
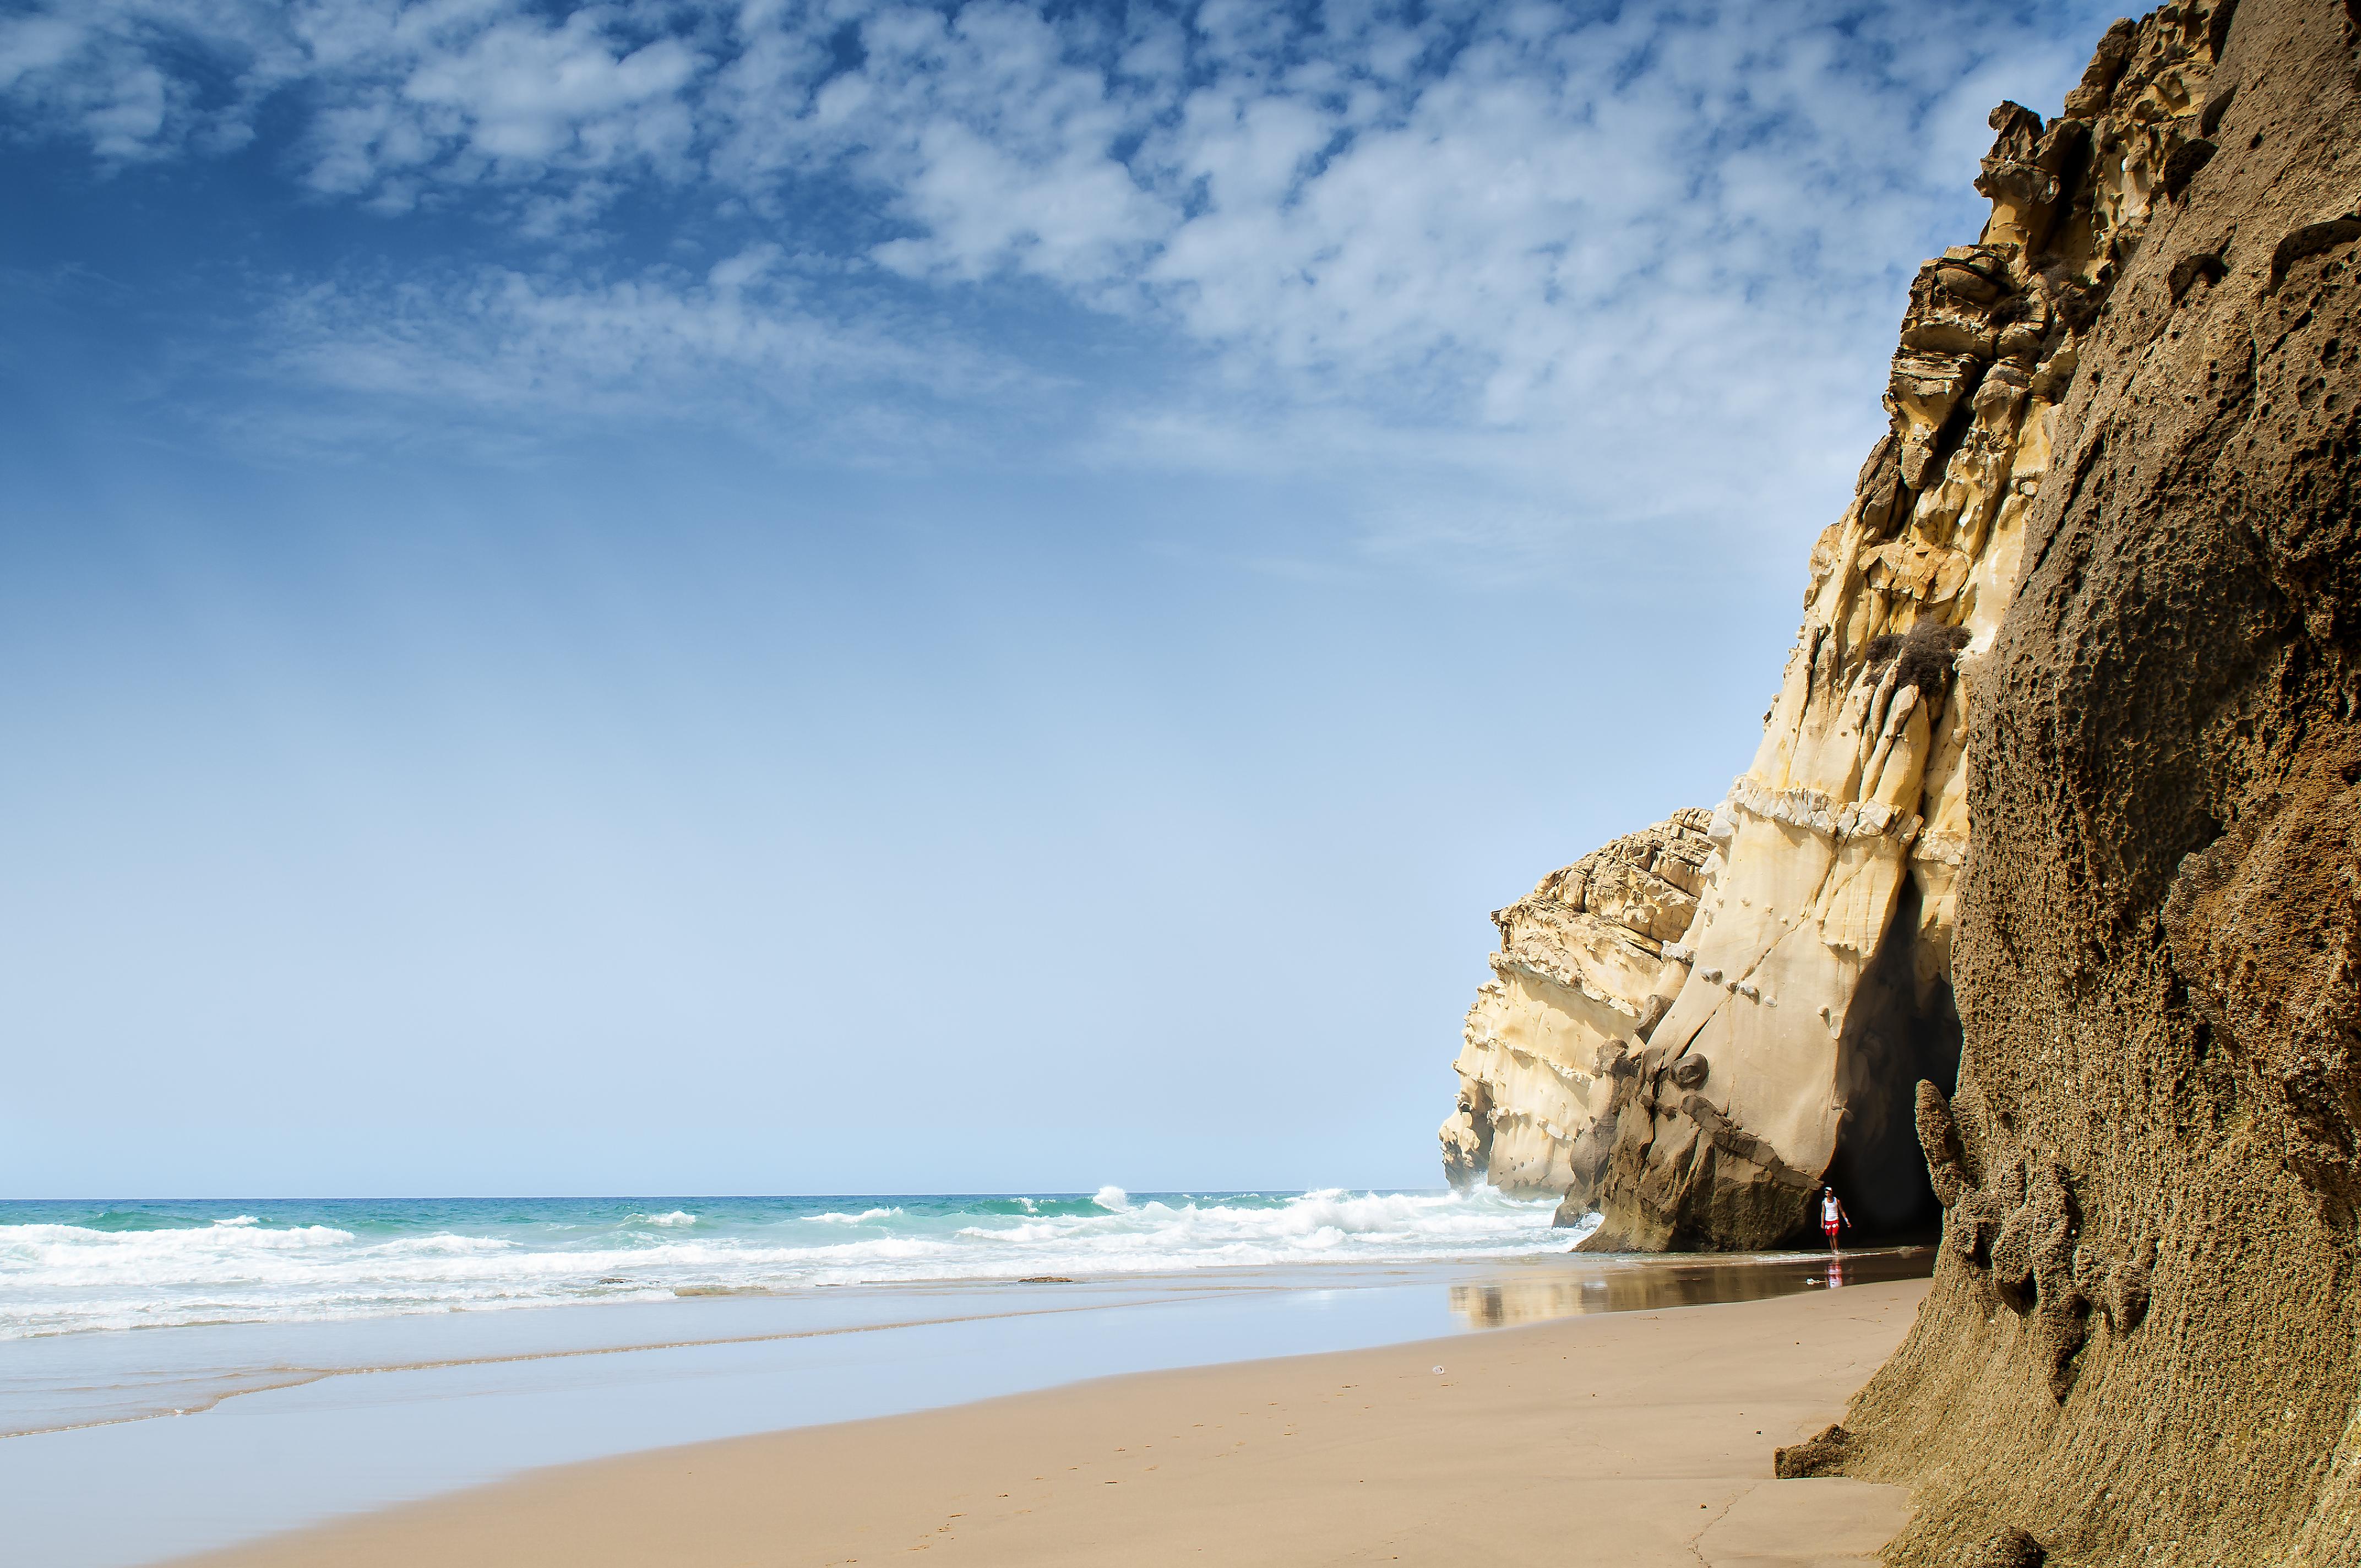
{"x": 66, "y": 1267}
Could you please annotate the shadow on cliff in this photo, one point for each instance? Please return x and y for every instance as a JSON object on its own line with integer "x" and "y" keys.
{"x": 1903, "y": 1027}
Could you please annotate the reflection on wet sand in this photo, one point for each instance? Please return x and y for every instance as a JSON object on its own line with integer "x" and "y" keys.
{"x": 1580, "y": 1284}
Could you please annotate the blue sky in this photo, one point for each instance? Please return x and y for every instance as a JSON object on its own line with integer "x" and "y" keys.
{"x": 687, "y": 597}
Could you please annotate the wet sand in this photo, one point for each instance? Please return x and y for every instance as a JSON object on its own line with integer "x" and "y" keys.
{"x": 1627, "y": 1438}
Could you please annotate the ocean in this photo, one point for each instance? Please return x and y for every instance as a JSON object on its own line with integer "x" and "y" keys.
{"x": 332, "y": 1355}
{"x": 75, "y": 1268}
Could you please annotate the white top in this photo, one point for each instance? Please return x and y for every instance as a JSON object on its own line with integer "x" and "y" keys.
{"x": 1828, "y": 1209}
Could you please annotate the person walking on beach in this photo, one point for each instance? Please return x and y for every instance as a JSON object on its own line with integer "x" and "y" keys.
{"x": 1832, "y": 1215}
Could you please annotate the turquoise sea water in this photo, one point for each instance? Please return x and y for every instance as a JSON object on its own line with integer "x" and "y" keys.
{"x": 332, "y": 1355}
{"x": 69, "y": 1267}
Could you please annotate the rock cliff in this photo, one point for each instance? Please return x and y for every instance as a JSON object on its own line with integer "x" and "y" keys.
{"x": 1810, "y": 987}
{"x": 2040, "y": 904}
{"x": 2143, "y": 1340}
{"x": 1587, "y": 959}
{"x": 2139, "y": 678}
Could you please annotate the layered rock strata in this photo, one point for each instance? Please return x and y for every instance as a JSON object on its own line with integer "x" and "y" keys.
{"x": 1589, "y": 960}
{"x": 2143, "y": 1343}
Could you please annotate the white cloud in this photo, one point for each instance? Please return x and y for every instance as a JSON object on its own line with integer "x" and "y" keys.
{"x": 35, "y": 44}
{"x": 91, "y": 75}
{"x": 467, "y": 93}
{"x": 1614, "y": 263}
{"x": 489, "y": 353}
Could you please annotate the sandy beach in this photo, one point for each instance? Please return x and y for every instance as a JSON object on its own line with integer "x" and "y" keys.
{"x": 1627, "y": 1438}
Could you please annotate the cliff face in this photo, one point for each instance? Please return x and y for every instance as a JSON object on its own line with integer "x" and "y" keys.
{"x": 2039, "y": 905}
{"x": 1698, "y": 1103}
{"x": 2141, "y": 1344}
{"x": 1822, "y": 985}
{"x": 1811, "y": 987}
{"x": 1587, "y": 959}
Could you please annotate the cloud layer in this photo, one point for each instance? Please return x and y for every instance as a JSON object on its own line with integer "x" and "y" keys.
{"x": 1613, "y": 262}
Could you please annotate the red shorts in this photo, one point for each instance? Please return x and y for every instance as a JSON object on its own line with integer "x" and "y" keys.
{"x": 1830, "y": 1226}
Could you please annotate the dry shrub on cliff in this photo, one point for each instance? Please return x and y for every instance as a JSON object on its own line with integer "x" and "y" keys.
{"x": 1922, "y": 656}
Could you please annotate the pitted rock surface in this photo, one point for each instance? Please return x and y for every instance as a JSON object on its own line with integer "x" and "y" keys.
{"x": 2143, "y": 1344}
{"x": 2040, "y": 904}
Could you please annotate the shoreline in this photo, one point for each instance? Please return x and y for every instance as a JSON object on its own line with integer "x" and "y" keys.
{"x": 1630, "y": 1436}
{"x": 1487, "y": 1293}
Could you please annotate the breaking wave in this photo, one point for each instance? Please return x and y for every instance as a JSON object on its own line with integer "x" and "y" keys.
{"x": 66, "y": 1267}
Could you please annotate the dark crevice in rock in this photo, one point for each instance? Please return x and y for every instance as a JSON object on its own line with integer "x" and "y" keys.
{"x": 1899, "y": 1032}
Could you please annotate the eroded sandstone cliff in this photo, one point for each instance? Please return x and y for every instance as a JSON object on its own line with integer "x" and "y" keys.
{"x": 1698, "y": 1103}
{"x": 1808, "y": 984}
{"x": 1587, "y": 959}
{"x": 1821, "y": 987}
{"x": 2144, "y": 1341}
{"x": 2040, "y": 903}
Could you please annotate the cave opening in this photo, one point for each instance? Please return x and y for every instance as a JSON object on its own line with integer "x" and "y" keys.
{"x": 1902, "y": 1025}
